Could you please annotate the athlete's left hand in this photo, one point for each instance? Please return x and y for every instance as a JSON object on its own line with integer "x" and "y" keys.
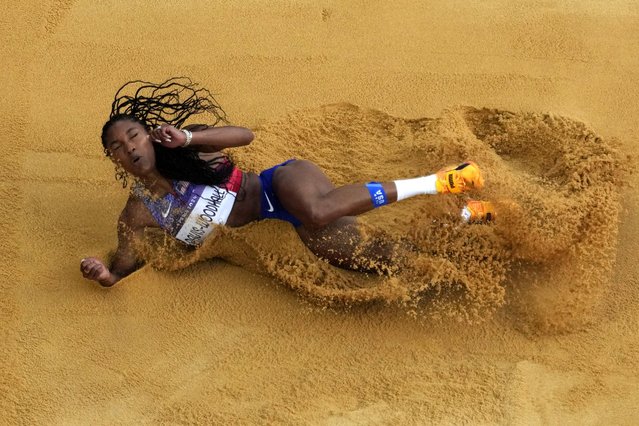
{"x": 168, "y": 136}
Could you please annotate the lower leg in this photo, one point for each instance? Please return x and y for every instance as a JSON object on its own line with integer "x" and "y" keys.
{"x": 342, "y": 244}
{"x": 355, "y": 199}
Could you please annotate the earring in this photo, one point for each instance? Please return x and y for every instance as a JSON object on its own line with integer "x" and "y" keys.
{"x": 121, "y": 175}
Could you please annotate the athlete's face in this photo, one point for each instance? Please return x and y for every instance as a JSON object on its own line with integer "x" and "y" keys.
{"x": 129, "y": 144}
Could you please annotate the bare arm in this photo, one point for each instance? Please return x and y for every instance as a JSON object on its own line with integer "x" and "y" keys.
{"x": 205, "y": 139}
{"x": 215, "y": 139}
{"x": 125, "y": 260}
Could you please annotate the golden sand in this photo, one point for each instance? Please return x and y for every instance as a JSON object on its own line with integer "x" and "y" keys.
{"x": 531, "y": 320}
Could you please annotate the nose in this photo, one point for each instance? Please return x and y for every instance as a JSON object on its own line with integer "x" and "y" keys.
{"x": 130, "y": 146}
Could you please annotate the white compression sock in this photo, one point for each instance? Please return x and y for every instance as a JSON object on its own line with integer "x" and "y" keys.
{"x": 407, "y": 188}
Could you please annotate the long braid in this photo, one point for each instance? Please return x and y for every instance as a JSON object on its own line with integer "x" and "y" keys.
{"x": 172, "y": 102}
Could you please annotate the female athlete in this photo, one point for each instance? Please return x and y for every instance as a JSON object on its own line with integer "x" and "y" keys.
{"x": 184, "y": 184}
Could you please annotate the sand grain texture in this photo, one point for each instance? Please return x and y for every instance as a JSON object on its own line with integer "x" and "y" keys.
{"x": 532, "y": 320}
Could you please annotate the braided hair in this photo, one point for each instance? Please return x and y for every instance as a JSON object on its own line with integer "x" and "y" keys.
{"x": 171, "y": 102}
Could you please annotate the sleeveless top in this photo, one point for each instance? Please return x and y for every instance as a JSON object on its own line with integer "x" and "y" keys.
{"x": 190, "y": 214}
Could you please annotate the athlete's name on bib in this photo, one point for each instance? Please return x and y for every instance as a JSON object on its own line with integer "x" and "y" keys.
{"x": 206, "y": 210}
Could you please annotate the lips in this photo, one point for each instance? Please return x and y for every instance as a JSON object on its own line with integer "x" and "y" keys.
{"x": 136, "y": 159}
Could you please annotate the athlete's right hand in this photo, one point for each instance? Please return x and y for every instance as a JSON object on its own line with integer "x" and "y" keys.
{"x": 94, "y": 269}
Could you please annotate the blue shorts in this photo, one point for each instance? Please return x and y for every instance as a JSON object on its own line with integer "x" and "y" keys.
{"x": 271, "y": 208}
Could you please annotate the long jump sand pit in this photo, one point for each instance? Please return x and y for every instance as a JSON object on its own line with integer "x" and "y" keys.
{"x": 556, "y": 185}
{"x": 529, "y": 320}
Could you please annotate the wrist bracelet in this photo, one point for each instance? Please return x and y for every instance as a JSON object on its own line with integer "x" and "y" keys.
{"x": 189, "y": 137}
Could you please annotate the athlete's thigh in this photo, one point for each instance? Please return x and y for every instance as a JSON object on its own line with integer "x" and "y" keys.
{"x": 299, "y": 184}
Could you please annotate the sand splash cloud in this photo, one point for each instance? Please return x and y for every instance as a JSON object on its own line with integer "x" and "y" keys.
{"x": 554, "y": 181}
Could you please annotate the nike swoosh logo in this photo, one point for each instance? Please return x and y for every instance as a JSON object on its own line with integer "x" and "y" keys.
{"x": 168, "y": 209}
{"x": 270, "y": 209}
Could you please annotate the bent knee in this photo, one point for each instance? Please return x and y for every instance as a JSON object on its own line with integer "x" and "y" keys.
{"x": 314, "y": 216}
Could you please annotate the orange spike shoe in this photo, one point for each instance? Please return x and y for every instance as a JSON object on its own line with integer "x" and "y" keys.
{"x": 462, "y": 178}
{"x": 478, "y": 212}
